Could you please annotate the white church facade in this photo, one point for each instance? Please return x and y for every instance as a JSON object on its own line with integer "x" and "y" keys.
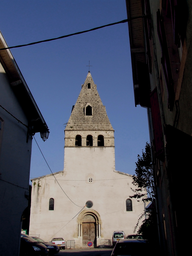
{"x": 89, "y": 199}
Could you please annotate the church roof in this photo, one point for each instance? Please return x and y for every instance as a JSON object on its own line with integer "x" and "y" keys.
{"x": 89, "y": 113}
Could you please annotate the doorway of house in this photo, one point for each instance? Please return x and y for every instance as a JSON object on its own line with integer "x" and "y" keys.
{"x": 89, "y": 231}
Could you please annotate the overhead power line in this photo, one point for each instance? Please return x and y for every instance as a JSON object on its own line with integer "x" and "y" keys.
{"x": 68, "y": 221}
{"x": 13, "y": 116}
{"x": 13, "y": 184}
{"x": 72, "y": 34}
{"x": 53, "y": 174}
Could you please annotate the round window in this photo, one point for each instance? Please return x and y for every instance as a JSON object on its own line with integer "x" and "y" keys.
{"x": 89, "y": 204}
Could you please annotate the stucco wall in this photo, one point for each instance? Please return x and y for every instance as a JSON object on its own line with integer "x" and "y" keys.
{"x": 81, "y": 161}
{"x": 108, "y": 195}
{"x": 15, "y": 154}
{"x": 107, "y": 189}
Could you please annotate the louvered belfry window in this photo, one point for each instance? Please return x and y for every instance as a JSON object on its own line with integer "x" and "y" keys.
{"x": 100, "y": 141}
{"x": 78, "y": 140}
{"x": 90, "y": 140}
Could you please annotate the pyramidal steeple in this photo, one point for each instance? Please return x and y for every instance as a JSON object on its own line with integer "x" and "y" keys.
{"x": 89, "y": 113}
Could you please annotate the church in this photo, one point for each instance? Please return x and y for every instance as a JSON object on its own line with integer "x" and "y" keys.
{"x": 88, "y": 200}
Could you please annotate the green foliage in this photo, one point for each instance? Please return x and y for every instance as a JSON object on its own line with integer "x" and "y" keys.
{"x": 149, "y": 227}
{"x": 143, "y": 177}
{"x": 144, "y": 180}
{"x": 149, "y": 231}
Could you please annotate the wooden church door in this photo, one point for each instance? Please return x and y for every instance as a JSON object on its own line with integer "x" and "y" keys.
{"x": 89, "y": 232}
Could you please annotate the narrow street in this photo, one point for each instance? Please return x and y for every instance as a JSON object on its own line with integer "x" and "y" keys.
{"x": 86, "y": 252}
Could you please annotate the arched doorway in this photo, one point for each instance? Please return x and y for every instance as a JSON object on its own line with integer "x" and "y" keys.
{"x": 89, "y": 228}
{"x": 88, "y": 231}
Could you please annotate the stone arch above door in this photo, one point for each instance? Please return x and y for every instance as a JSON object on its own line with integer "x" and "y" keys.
{"x": 92, "y": 213}
{"x": 88, "y": 218}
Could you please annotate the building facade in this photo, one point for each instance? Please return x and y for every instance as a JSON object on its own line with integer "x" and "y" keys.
{"x": 89, "y": 199}
{"x": 20, "y": 119}
{"x": 160, "y": 41}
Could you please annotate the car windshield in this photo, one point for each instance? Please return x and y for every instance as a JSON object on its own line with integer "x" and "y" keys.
{"x": 134, "y": 237}
{"x": 57, "y": 239}
{"x": 118, "y": 235}
{"x": 38, "y": 239}
{"x": 131, "y": 249}
{"x": 29, "y": 239}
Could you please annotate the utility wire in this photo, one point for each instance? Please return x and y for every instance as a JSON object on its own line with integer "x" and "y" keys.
{"x": 72, "y": 34}
{"x": 13, "y": 184}
{"x": 69, "y": 221}
{"x": 54, "y": 175}
{"x": 13, "y": 116}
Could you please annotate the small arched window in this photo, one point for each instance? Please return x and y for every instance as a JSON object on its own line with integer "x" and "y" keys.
{"x": 129, "y": 205}
{"x": 51, "y": 204}
{"x": 100, "y": 141}
{"x": 89, "y": 140}
{"x": 88, "y": 111}
{"x": 78, "y": 140}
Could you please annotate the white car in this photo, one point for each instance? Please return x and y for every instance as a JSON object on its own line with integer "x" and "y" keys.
{"x": 59, "y": 241}
{"x": 117, "y": 235}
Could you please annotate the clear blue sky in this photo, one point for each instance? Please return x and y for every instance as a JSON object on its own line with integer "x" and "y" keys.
{"x": 54, "y": 71}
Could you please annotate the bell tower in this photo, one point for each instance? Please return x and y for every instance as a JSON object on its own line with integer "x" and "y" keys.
{"x": 89, "y": 135}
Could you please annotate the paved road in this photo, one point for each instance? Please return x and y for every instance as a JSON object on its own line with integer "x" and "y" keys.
{"x": 86, "y": 252}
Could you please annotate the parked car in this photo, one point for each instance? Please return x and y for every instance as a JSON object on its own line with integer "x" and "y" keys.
{"x": 117, "y": 235}
{"x": 59, "y": 241}
{"x": 52, "y": 248}
{"x": 30, "y": 247}
{"x": 131, "y": 247}
{"x": 134, "y": 236}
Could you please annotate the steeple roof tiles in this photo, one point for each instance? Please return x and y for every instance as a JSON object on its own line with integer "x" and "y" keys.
{"x": 98, "y": 119}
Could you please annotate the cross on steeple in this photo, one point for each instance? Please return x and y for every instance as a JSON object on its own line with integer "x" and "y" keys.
{"x": 89, "y": 66}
